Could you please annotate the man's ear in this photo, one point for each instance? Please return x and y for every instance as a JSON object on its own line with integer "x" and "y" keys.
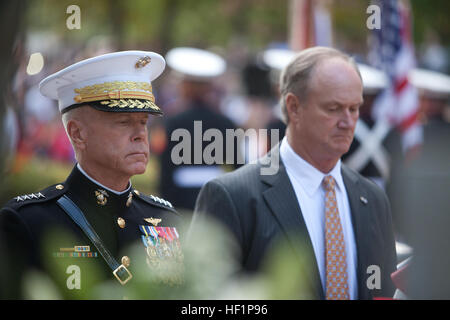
{"x": 292, "y": 107}
{"x": 77, "y": 133}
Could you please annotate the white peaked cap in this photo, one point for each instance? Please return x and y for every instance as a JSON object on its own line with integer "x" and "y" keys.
{"x": 116, "y": 82}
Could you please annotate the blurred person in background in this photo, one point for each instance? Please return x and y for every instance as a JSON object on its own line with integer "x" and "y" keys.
{"x": 277, "y": 59}
{"x": 335, "y": 219}
{"x": 370, "y": 151}
{"x": 258, "y": 106}
{"x": 105, "y": 104}
{"x": 420, "y": 192}
{"x": 196, "y": 69}
{"x": 251, "y": 108}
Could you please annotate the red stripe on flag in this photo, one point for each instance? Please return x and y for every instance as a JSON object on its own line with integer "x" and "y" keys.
{"x": 400, "y": 84}
{"x": 409, "y": 121}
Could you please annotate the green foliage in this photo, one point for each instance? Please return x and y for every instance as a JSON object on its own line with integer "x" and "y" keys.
{"x": 431, "y": 15}
{"x": 211, "y": 271}
{"x": 39, "y": 173}
{"x": 163, "y": 23}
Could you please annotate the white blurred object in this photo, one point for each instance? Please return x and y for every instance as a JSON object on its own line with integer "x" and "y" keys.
{"x": 235, "y": 108}
{"x": 278, "y": 58}
{"x": 373, "y": 79}
{"x": 196, "y": 63}
{"x": 399, "y": 294}
{"x": 35, "y": 64}
{"x": 403, "y": 250}
{"x": 430, "y": 80}
{"x": 39, "y": 107}
{"x": 195, "y": 176}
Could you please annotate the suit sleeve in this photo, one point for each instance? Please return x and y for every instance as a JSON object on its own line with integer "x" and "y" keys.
{"x": 390, "y": 262}
{"x": 214, "y": 201}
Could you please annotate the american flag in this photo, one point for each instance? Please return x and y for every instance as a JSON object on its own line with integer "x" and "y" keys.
{"x": 392, "y": 50}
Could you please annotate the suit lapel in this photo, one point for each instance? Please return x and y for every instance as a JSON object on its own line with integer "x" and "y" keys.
{"x": 359, "y": 207}
{"x": 282, "y": 201}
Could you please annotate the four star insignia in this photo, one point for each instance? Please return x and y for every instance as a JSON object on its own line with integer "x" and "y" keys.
{"x": 29, "y": 196}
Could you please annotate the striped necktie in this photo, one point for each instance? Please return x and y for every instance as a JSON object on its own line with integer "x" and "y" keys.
{"x": 336, "y": 263}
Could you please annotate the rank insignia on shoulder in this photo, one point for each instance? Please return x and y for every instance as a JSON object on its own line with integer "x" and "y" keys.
{"x": 153, "y": 221}
{"x": 155, "y": 201}
{"x": 162, "y": 201}
{"x": 30, "y": 196}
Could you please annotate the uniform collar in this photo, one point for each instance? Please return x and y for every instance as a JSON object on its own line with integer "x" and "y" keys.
{"x": 307, "y": 175}
{"x": 101, "y": 185}
{"x": 87, "y": 190}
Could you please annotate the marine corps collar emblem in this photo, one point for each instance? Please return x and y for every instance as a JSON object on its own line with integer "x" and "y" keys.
{"x": 153, "y": 221}
{"x": 101, "y": 197}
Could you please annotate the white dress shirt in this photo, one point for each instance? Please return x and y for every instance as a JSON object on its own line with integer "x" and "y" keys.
{"x": 307, "y": 183}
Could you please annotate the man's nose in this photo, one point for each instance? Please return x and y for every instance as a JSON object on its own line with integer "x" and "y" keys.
{"x": 347, "y": 120}
{"x": 140, "y": 133}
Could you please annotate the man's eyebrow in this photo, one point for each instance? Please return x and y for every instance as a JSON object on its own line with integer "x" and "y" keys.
{"x": 335, "y": 102}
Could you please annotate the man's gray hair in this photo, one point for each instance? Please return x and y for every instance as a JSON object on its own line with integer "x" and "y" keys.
{"x": 296, "y": 76}
{"x": 69, "y": 115}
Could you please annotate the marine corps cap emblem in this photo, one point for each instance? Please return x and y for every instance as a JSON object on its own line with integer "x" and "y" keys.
{"x": 142, "y": 62}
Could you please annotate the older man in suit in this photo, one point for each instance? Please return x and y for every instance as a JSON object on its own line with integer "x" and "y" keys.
{"x": 326, "y": 211}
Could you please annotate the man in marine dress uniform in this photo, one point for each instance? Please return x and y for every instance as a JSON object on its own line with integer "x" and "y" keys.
{"x": 78, "y": 231}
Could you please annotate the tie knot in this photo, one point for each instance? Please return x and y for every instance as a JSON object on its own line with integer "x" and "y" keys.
{"x": 329, "y": 183}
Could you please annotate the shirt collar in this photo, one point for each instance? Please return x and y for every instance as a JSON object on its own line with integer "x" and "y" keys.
{"x": 101, "y": 185}
{"x": 307, "y": 175}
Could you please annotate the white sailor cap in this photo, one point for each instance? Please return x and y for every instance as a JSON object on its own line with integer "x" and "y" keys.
{"x": 196, "y": 64}
{"x": 277, "y": 58}
{"x": 373, "y": 79}
{"x": 430, "y": 81}
{"x": 113, "y": 82}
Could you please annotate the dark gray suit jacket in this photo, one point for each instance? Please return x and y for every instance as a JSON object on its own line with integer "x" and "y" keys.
{"x": 260, "y": 209}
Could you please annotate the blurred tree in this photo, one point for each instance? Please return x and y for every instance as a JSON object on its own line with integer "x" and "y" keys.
{"x": 11, "y": 19}
{"x": 434, "y": 15}
{"x": 162, "y": 24}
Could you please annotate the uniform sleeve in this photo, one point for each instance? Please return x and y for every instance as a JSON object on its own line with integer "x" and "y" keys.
{"x": 214, "y": 201}
{"x": 16, "y": 247}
